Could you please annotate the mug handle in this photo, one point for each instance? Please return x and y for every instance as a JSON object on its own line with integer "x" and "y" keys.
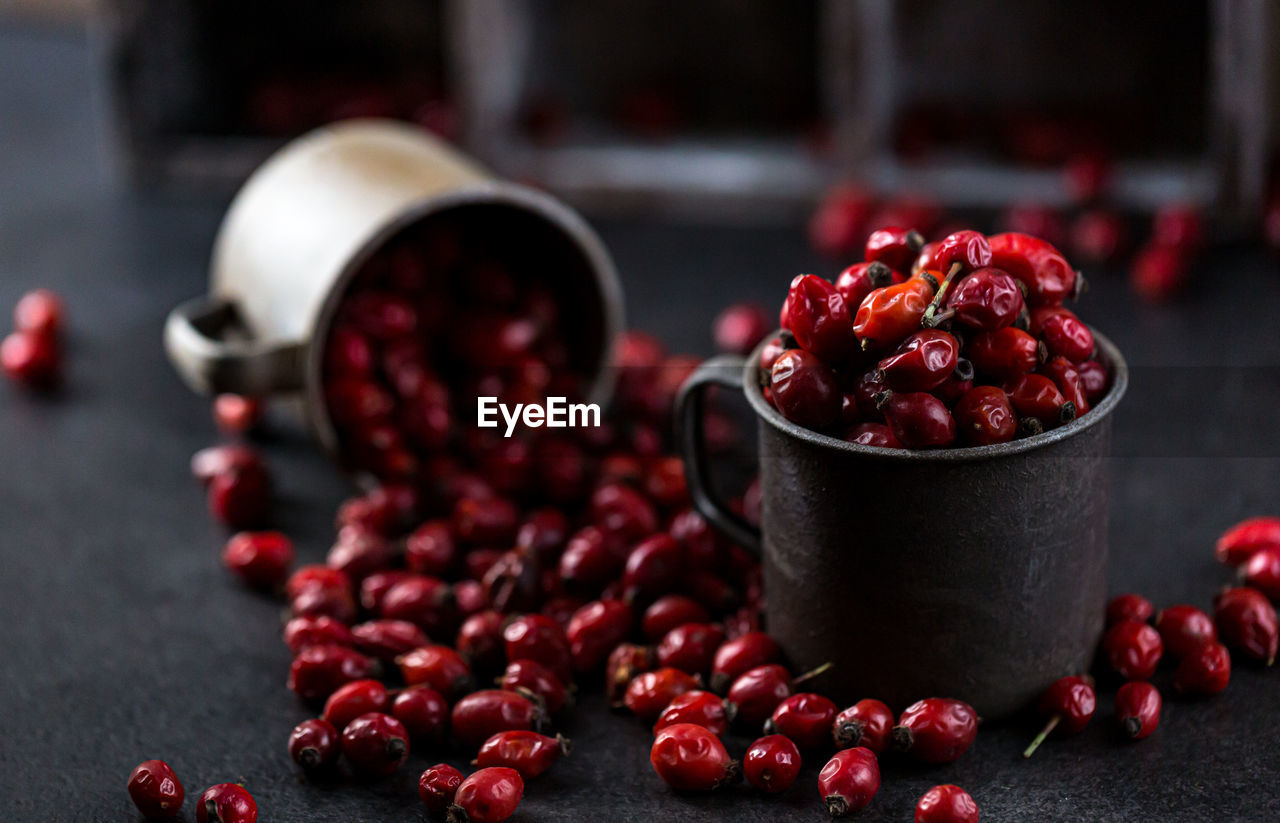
{"x": 211, "y": 361}
{"x": 724, "y": 370}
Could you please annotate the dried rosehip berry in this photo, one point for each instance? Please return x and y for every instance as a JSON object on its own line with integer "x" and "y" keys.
{"x": 438, "y": 786}
{"x": 740, "y": 327}
{"x": 1129, "y": 607}
{"x": 691, "y": 758}
{"x": 1048, "y": 277}
{"x": 690, "y": 647}
{"x": 805, "y": 390}
{"x": 987, "y": 300}
{"x": 935, "y": 730}
{"x": 867, "y": 723}
{"x": 860, "y": 279}
{"x": 1247, "y": 623}
{"x": 1063, "y": 333}
{"x": 529, "y": 753}
{"x": 596, "y": 629}
{"x": 1138, "y": 709}
{"x": 354, "y": 699}
{"x": 1205, "y": 671}
{"x": 771, "y": 764}
{"x": 1005, "y": 353}
{"x": 1034, "y": 395}
{"x": 489, "y": 796}
{"x": 1133, "y": 649}
{"x": 1238, "y": 543}
{"x": 873, "y": 434}
{"x": 849, "y": 781}
{"x": 424, "y": 713}
{"x": 260, "y": 559}
{"x": 946, "y": 804}
{"x": 319, "y": 671}
{"x": 805, "y": 718}
{"x": 1262, "y": 572}
{"x": 155, "y": 789}
{"x": 651, "y": 692}
{"x": 1183, "y": 628}
{"x": 888, "y": 315}
{"x": 921, "y": 363}
{"x": 918, "y": 420}
{"x": 480, "y": 715}
{"x": 1068, "y": 703}
{"x": 226, "y": 803}
{"x": 984, "y": 416}
{"x": 698, "y": 707}
{"x": 531, "y": 677}
{"x": 315, "y": 744}
{"x": 439, "y": 667}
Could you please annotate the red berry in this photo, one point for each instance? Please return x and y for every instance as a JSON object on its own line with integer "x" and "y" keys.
{"x": 1247, "y": 623}
{"x": 480, "y": 715}
{"x": 538, "y": 637}
{"x": 1093, "y": 379}
{"x": 1133, "y": 649}
{"x": 427, "y": 602}
{"x": 1205, "y": 671}
{"x": 423, "y": 711}
{"x": 651, "y": 692}
{"x": 691, "y": 758}
{"x": 984, "y": 416}
{"x": 354, "y": 699}
{"x": 1138, "y": 709}
{"x": 894, "y": 246}
{"x": 669, "y": 612}
{"x": 1262, "y": 572}
{"x": 236, "y": 414}
{"x": 986, "y": 300}
{"x": 1063, "y": 333}
{"x": 966, "y": 249}
{"x": 31, "y": 358}
{"x": 873, "y": 434}
{"x": 439, "y": 667}
{"x": 757, "y": 692}
{"x": 1129, "y": 607}
{"x": 375, "y": 744}
{"x": 653, "y": 567}
{"x": 527, "y": 752}
{"x": 487, "y": 796}
{"x": 431, "y": 549}
{"x": 946, "y": 804}
{"x": 867, "y": 723}
{"x": 530, "y": 676}
{"x": 1240, "y": 542}
{"x": 805, "y": 718}
{"x": 1004, "y": 354}
{"x": 921, "y": 363}
{"x": 1157, "y": 273}
{"x": 918, "y": 420}
{"x": 623, "y": 512}
{"x": 438, "y": 786}
{"x": 226, "y": 803}
{"x": 1183, "y": 628}
{"x": 737, "y": 656}
{"x": 1064, "y": 375}
{"x": 854, "y": 284}
{"x": 241, "y": 498}
{"x": 595, "y": 630}
{"x": 319, "y": 671}
{"x": 208, "y": 463}
{"x": 849, "y": 781}
{"x": 889, "y": 314}
{"x": 39, "y": 311}
{"x": 819, "y": 319}
{"x": 260, "y": 559}
{"x": 698, "y": 707}
{"x": 625, "y": 663}
{"x": 485, "y": 520}
{"x": 479, "y": 640}
{"x": 388, "y": 639}
{"x": 155, "y": 789}
{"x": 740, "y": 327}
{"x": 1047, "y": 275}
{"x": 690, "y": 647}
{"x": 805, "y": 389}
{"x": 315, "y": 744}
{"x": 771, "y": 764}
{"x": 301, "y": 632}
{"x": 1036, "y": 396}
{"x": 936, "y": 730}
{"x": 1068, "y": 703}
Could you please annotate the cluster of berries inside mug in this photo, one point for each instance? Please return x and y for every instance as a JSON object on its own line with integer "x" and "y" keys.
{"x": 960, "y": 342}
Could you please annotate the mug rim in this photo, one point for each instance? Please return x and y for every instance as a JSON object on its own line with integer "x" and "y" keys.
{"x": 1109, "y": 355}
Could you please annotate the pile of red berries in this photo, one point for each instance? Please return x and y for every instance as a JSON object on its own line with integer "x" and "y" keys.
{"x": 962, "y": 342}
{"x": 32, "y": 353}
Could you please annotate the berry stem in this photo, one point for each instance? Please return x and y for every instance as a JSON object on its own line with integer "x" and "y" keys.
{"x": 1044, "y": 733}
{"x": 930, "y": 319}
{"x": 812, "y": 673}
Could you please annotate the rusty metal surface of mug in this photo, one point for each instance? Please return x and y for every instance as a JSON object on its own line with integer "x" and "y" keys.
{"x": 975, "y": 573}
{"x": 305, "y": 222}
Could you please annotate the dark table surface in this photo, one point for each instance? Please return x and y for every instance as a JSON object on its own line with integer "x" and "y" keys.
{"x": 123, "y": 639}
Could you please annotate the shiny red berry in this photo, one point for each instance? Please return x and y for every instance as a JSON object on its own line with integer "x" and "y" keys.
{"x": 319, "y": 671}
{"x": 241, "y": 498}
{"x": 1205, "y": 671}
{"x": 935, "y": 730}
{"x": 698, "y": 707}
{"x": 921, "y": 363}
{"x": 805, "y": 718}
{"x": 301, "y": 632}
{"x": 771, "y": 764}
{"x": 690, "y": 647}
{"x": 858, "y": 281}
{"x": 354, "y": 699}
{"x": 155, "y": 789}
{"x": 967, "y": 249}
{"x": 1041, "y": 268}
{"x": 621, "y": 511}
{"x": 423, "y": 711}
{"x": 1005, "y": 353}
{"x": 894, "y": 246}
{"x": 1183, "y": 628}
{"x": 485, "y": 520}
{"x": 668, "y": 612}
{"x": 1132, "y": 649}
{"x": 1067, "y": 378}
{"x": 1262, "y": 572}
{"x": 1068, "y": 704}
{"x": 427, "y": 602}
{"x": 479, "y": 640}
{"x": 757, "y": 692}
{"x": 918, "y": 420}
{"x": 873, "y": 434}
{"x": 984, "y": 417}
{"x": 32, "y": 358}
{"x": 431, "y": 549}
{"x": 1063, "y": 333}
{"x": 531, "y": 677}
{"x": 437, "y": 787}
{"x": 1247, "y": 623}
{"x": 596, "y": 629}
{"x": 260, "y": 559}
{"x": 1036, "y": 396}
{"x": 439, "y": 667}
{"x": 805, "y": 389}
{"x": 236, "y": 414}
{"x": 226, "y": 803}
{"x": 651, "y": 692}
{"x": 39, "y": 311}
{"x": 1240, "y": 542}
{"x": 737, "y": 656}
{"x": 315, "y": 744}
{"x": 691, "y": 758}
{"x": 987, "y": 300}
{"x": 653, "y": 567}
{"x": 538, "y": 637}
{"x": 946, "y": 804}
{"x": 480, "y": 715}
{"x": 1129, "y": 607}
{"x": 527, "y": 752}
{"x": 889, "y": 314}
{"x": 1138, "y": 709}
{"x": 867, "y": 723}
{"x": 849, "y": 781}
{"x": 488, "y": 796}
{"x": 375, "y": 744}
{"x": 387, "y": 639}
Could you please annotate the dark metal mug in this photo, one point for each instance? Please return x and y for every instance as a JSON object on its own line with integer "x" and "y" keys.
{"x": 975, "y": 573}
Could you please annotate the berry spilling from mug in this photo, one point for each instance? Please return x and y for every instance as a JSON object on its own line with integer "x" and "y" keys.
{"x": 960, "y": 342}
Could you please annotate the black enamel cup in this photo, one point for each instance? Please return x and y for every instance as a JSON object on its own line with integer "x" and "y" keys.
{"x": 975, "y": 573}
